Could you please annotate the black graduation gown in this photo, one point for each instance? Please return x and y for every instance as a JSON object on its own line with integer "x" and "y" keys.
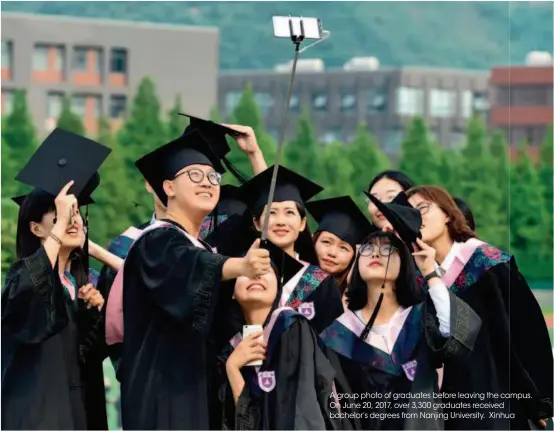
{"x": 42, "y": 332}
{"x": 512, "y": 353}
{"x": 317, "y": 296}
{"x": 408, "y": 373}
{"x": 299, "y": 383}
{"x": 170, "y": 291}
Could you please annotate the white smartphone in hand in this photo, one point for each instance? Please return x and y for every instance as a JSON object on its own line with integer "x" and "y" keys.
{"x": 246, "y": 331}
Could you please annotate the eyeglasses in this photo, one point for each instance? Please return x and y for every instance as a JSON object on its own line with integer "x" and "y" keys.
{"x": 197, "y": 176}
{"x": 384, "y": 249}
{"x": 424, "y": 208}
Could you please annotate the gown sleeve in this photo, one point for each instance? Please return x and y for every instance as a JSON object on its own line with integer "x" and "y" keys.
{"x": 333, "y": 307}
{"x": 523, "y": 318}
{"x": 304, "y": 381}
{"x": 464, "y": 328}
{"x": 183, "y": 280}
{"x": 33, "y": 300}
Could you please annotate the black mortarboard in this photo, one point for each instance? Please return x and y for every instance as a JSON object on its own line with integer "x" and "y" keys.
{"x": 404, "y": 218}
{"x": 164, "y": 162}
{"x": 82, "y": 201}
{"x": 341, "y": 217}
{"x": 287, "y": 266}
{"x": 290, "y": 187}
{"x": 64, "y": 157}
{"x": 213, "y": 132}
{"x": 231, "y": 202}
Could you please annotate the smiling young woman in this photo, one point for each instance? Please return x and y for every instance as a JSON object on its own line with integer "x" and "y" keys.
{"x": 312, "y": 291}
{"x": 513, "y": 351}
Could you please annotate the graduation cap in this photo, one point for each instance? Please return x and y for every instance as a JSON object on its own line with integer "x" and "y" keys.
{"x": 231, "y": 201}
{"x": 82, "y": 201}
{"x": 215, "y": 134}
{"x": 290, "y": 186}
{"x": 65, "y": 157}
{"x": 165, "y": 162}
{"x": 341, "y": 217}
{"x": 404, "y": 218}
{"x": 287, "y": 266}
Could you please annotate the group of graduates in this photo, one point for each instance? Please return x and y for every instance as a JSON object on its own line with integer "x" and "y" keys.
{"x": 224, "y": 312}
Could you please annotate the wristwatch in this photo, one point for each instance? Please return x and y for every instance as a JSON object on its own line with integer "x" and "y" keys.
{"x": 430, "y": 276}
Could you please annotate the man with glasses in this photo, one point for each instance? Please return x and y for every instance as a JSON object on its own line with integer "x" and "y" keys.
{"x": 171, "y": 283}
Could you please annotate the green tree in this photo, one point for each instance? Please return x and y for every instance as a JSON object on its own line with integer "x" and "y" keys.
{"x": 114, "y": 197}
{"x": 366, "y": 160}
{"x": 248, "y": 113}
{"x": 9, "y": 231}
{"x": 528, "y": 216}
{"x": 337, "y": 173}
{"x": 476, "y": 186}
{"x": 69, "y": 120}
{"x": 176, "y": 123}
{"x": 19, "y": 142}
{"x": 501, "y": 168}
{"x": 449, "y": 170}
{"x": 420, "y": 156}
{"x": 303, "y": 153}
{"x": 546, "y": 175}
{"x": 215, "y": 116}
{"x": 142, "y": 132}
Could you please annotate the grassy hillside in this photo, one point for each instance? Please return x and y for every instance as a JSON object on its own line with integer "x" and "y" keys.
{"x": 450, "y": 34}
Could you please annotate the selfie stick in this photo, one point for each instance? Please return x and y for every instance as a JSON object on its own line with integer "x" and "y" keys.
{"x": 296, "y": 40}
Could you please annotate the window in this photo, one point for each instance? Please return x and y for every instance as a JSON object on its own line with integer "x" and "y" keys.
{"x": 7, "y": 54}
{"x": 59, "y": 58}
{"x": 97, "y": 106}
{"x": 118, "y": 106}
{"x": 118, "y": 61}
{"x": 393, "y": 141}
{"x": 8, "y": 101}
{"x": 265, "y": 102}
{"x": 54, "y": 105}
{"x": 467, "y": 104}
{"x": 480, "y": 102}
{"x": 348, "y": 102}
{"x": 294, "y": 102}
{"x": 99, "y": 57}
{"x": 40, "y": 58}
{"x": 409, "y": 101}
{"x": 79, "y": 104}
{"x": 331, "y": 135}
{"x": 442, "y": 103}
{"x": 377, "y": 100}
{"x": 79, "y": 59}
{"x": 231, "y": 101}
{"x": 319, "y": 101}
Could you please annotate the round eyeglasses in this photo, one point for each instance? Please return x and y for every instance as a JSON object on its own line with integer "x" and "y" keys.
{"x": 384, "y": 249}
{"x": 197, "y": 176}
{"x": 424, "y": 208}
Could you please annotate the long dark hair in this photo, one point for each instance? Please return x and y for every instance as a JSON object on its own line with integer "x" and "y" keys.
{"x": 304, "y": 244}
{"x": 399, "y": 177}
{"x": 406, "y": 289}
{"x": 34, "y": 207}
{"x": 342, "y": 278}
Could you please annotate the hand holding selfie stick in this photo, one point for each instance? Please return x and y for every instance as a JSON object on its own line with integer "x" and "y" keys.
{"x": 296, "y": 39}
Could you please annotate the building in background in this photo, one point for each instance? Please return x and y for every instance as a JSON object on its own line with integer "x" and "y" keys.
{"x": 99, "y": 64}
{"x": 521, "y": 100}
{"x": 338, "y": 100}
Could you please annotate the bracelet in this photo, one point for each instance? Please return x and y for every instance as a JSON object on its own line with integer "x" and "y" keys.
{"x": 55, "y": 238}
